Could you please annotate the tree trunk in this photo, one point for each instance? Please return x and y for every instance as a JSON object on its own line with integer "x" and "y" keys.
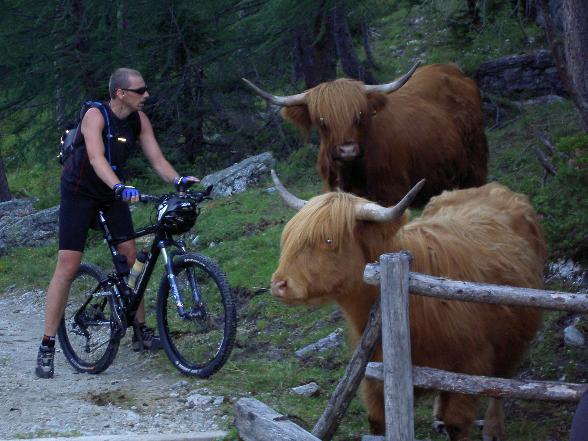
{"x": 4, "y": 190}
{"x": 315, "y": 51}
{"x": 344, "y": 43}
{"x": 370, "y": 61}
{"x": 575, "y": 21}
{"x": 83, "y": 46}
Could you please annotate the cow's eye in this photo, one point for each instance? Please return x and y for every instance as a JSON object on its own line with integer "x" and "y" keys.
{"x": 327, "y": 244}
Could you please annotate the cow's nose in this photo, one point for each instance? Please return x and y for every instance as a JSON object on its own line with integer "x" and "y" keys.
{"x": 279, "y": 288}
{"x": 349, "y": 150}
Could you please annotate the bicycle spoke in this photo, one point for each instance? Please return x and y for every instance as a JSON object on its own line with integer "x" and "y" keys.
{"x": 199, "y": 341}
{"x": 85, "y": 332}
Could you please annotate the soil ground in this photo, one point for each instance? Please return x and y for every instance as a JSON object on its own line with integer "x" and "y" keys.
{"x": 131, "y": 396}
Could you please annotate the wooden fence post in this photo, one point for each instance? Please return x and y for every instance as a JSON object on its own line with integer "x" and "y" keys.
{"x": 327, "y": 424}
{"x": 398, "y": 386}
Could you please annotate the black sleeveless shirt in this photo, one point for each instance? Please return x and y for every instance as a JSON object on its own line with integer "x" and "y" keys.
{"x": 78, "y": 175}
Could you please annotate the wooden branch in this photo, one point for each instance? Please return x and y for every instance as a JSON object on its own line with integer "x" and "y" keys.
{"x": 429, "y": 378}
{"x": 553, "y": 150}
{"x": 327, "y": 425}
{"x": 258, "y": 422}
{"x": 430, "y": 286}
{"x": 550, "y": 169}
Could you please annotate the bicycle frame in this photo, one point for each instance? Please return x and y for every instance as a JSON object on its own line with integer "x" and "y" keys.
{"x": 159, "y": 246}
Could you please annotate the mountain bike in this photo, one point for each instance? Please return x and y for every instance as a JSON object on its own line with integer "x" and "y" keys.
{"x": 195, "y": 312}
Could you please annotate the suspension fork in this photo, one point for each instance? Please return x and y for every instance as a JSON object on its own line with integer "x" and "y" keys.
{"x": 194, "y": 288}
{"x": 171, "y": 278}
{"x": 197, "y": 311}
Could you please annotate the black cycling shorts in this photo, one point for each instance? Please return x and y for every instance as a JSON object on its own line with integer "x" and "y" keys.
{"x": 78, "y": 213}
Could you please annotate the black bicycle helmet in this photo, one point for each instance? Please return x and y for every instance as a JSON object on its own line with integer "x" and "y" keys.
{"x": 177, "y": 214}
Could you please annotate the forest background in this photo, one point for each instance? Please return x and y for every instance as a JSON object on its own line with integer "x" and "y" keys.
{"x": 193, "y": 55}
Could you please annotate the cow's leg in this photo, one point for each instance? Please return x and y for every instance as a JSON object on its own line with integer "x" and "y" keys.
{"x": 373, "y": 397}
{"x": 494, "y": 429}
{"x": 454, "y": 414}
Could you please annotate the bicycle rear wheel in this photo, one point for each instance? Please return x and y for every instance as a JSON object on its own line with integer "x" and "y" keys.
{"x": 86, "y": 329}
{"x": 199, "y": 343}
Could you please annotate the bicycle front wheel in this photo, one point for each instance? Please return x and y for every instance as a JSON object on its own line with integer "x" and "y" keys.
{"x": 86, "y": 329}
{"x": 199, "y": 342}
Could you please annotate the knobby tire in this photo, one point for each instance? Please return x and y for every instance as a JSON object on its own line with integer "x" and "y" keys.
{"x": 197, "y": 346}
{"x": 94, "y": 354}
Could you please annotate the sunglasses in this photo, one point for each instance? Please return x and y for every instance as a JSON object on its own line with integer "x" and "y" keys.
{"x": 140, "y": 90}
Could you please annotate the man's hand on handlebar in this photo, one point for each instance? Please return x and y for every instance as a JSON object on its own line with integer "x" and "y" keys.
{"x": 182, "y": 183}
{"x": 126, "y": 193}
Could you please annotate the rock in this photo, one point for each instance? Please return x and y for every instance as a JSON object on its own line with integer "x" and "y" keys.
{"x": 16, "y": 208}
{"x": 306, "y": 390}
{"x": 195, "y": 399}
{"x": 567, "y": 270}
{"x": 333, "y": 340}
{"x": 520, "y": 77}
{"x": 180, "y": 384}
{"x": 239, "y": 177}
{"x": 573, "y": 337}
{"x": 30, "y": 230}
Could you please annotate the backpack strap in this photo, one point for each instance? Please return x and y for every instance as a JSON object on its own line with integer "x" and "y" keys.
{"x": 109, "y": 135}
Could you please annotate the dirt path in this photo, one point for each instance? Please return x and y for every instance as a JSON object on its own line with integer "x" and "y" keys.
{"x": 132, "y": 396}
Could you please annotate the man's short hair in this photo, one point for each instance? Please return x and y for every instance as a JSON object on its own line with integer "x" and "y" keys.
{"x": 120, "y": 79}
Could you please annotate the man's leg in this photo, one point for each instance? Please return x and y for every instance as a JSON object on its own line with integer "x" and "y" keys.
{"x": 68, "y": 263}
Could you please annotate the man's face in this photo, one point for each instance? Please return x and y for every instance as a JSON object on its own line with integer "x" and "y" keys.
{"x": 136, "y": 94}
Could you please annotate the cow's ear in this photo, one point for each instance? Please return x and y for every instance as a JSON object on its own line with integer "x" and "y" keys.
{"x": 376, "y": 102}
{"x": 298, "y": 115}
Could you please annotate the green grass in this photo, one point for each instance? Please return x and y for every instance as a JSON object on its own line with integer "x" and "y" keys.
{"x": 560, "y": 200}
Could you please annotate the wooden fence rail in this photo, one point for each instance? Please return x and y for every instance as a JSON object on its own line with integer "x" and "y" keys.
{"x": 389, "y": 318}
{"x": 395, "y": 282}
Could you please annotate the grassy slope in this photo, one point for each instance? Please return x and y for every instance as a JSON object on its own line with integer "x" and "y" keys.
{"x": 246, "y": 229}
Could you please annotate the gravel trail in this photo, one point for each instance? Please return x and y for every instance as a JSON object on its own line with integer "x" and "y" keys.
{"x": 131, "y": 396}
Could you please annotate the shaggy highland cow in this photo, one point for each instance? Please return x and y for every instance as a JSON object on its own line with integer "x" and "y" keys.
{"x": 487, "y": 234}
{"x": 379, "y": 141}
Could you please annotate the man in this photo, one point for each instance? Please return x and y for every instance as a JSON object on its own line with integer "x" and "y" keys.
{"x": 93, "y": 178}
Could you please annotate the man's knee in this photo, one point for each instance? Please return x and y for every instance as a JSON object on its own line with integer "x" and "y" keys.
{"x": 128, "y": 250}
{"x": 68, "y": 263}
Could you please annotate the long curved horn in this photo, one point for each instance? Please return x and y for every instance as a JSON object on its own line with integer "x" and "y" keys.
{"x": 394, "y": 85}
{"x": 290, "y": 200}
{"x": 282, "y": 101}
{"x": 376, "y": 213}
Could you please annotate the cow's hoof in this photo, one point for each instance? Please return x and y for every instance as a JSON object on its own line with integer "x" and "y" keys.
{"x": 439, "y": 427}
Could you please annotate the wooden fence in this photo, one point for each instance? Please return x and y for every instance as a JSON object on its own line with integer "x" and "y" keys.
{"x": 389, "y": 317}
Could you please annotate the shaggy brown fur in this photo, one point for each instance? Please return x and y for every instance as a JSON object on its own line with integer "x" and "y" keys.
{"x": 487, "y": 234}
{"x": 430, "y": 128}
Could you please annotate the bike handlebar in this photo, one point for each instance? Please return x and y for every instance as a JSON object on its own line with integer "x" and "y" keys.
{"x": 199, "y": 196}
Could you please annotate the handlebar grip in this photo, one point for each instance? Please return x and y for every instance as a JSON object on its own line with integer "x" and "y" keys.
{"x": 148, "y": 198}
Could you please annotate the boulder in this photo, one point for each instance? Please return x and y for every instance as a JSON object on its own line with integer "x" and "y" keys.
{"x": 239, "y": 177}
{"x": 520, "y": 77}
{"x": 29, "y": 230}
